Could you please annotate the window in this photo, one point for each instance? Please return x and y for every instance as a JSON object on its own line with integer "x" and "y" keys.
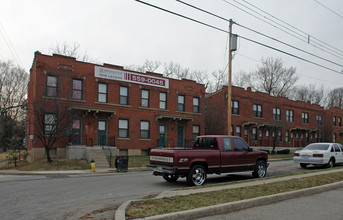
{"x": 339, "y": 121}
{"x": 51, "y": 86}
{"x": 123, "y": 128}
{"x": 238, "y": 131}
{"x": 334, "y": 137}
{"x": 232, "y": 130}
{"x": 319, "y": 119}
{"x": 206, "y": 143}
{"x": 145, "y": 98}
{"x": 287, "y": 136}
{"x": 240, "y": 145}
{"x": 195, "y": 104}
{"x": 123, "y": 95}
{"x": 279, "y": 135}
{"x": 277, "y": 114}
{"x": 257, "y": 110}
{"x": 254, "y": 134}
{"x": 77, "y": 89}
{"x": 163, "y": 100}
{"x": 290, "y": 115}
{"x": 334, "y": 120}
{"x": 227, "y": 144}
{"x": 304, "y": 117}
{"x": 50, "y": 124}
{"x": 235, "y": 107}
{"x": 196, "y": 131}
{"x": 181, "y": 103}
{"x": 145, "y": 130}
{"x": 102, "y": 92}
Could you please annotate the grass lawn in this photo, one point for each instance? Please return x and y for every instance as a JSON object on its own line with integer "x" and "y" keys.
{"x": 3, "y": 157}
{"x": 152, "y": 207}
{"x": 43, "y": 165}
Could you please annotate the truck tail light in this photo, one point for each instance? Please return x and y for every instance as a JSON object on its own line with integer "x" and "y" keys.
{"x": 318, "y": 155}
{"x": 296, "y": 154}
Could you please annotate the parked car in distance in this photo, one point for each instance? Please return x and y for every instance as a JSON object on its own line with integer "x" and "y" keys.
{"x": 327, "y": 154}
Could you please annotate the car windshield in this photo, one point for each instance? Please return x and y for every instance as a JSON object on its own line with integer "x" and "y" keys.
{"x": 317, "y": 147}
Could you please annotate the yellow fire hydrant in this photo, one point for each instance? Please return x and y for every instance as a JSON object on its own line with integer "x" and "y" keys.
{"x": 92, "y": 165}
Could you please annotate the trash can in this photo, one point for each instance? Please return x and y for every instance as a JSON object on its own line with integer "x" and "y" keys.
{"x": 122, "y": 163}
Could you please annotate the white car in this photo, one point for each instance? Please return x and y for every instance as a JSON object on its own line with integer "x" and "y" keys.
{"x": 319, "y": 154}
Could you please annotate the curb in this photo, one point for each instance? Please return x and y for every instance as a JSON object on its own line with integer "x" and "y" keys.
{"x": 232, "y": 206}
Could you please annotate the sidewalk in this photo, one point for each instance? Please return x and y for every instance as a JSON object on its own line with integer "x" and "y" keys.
{"x": 228, "y": 207}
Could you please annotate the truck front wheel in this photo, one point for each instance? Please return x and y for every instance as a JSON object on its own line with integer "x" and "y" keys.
{"x": 260, "y": 170}
{"x": 170, "y": 178}
{"x": 197, "y": 175}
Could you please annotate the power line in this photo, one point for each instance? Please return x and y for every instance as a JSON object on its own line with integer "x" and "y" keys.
{"x": 334, "y": 51}
{"x": 10, "y": 46}
{"x": 250, "y": 29}
{"x": 329, "y": 9}
{"x": 245, "y": 38}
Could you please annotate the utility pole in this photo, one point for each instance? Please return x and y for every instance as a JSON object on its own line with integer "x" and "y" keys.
{"x": 229, "y": 92}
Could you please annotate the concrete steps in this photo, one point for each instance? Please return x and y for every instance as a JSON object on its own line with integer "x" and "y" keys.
{"x": 98, "y": 155}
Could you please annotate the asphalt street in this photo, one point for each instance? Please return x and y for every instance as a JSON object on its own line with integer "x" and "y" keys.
{"x": 75, "y": 196}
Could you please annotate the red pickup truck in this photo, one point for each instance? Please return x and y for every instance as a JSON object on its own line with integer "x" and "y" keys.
{"x": 210, "y": 154}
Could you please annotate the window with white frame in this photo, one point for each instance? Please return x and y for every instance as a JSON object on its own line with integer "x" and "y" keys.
{"x": 238, "y": 131}
{"x": 145, "y": 98}
{"x": 51, "y": 86}
{"x": 123, "y": 128}
{"x": 196, "y": 131}
{"x": 145, "y": 130}
{"x": 102, "y": 92}
{"x": 163, "y": 100}
{"x": 235, "y": 107}
{"x": 254, "y": 134}
{"x": 123, "y": 95}
{"x": 257, "y": 110}
{"x": 290, "y": 115}
{"x": 319, "y": 119}
{"x": 50, "y": 124}
{"x": 181, "y": 103}
{"x": 77, "y": 89}
{"x": 196, "y": 105}
{"x": 305, "y": 118}
{"x": 334, "y": 120}
{"x": 276, "y": 114}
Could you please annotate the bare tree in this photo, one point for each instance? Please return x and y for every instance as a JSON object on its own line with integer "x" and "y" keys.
{"x": 242, "y": 79}
{"x": 72, "y": 51}
{"x": 51, "y": 118}
{"x": 13, "y": 94}
{"x": 335, "y": 98}
{"x": 273, "y": 78}
{"x": 308, "y": 93}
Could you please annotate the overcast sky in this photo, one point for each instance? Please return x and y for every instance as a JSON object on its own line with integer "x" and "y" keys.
{"x": 126, "y": 32}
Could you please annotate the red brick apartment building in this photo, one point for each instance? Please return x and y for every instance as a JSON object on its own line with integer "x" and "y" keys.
{"x": 106, "y": 105}
{"x": 263, "y": 120}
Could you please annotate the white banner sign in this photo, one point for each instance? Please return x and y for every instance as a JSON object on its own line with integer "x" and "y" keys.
{"x": 126, "y": 76}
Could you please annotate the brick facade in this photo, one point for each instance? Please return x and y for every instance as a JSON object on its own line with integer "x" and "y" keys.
{"x": 134, "y": 113}
{"x": 276, "y": 120}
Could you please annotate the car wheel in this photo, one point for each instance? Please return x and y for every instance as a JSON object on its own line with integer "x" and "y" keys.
{"x": 170, "y": 178}
{"x": 260, "y": 169}
{"x": 196, "y": 176}
{"x": 331, "y": 163}
{"x": 303, "y": 165}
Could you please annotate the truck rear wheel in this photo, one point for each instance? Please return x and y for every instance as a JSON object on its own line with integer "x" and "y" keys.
{"x": 260, "y": 169}
{"x": 170, "y": 178}
{"x": 196, "y": 176}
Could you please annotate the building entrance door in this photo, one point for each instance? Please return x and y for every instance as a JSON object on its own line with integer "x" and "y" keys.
{"x": 76, "y": 132}
{"x": 180, "y": 136}
{"x": 162, "y": 142}
{"x": 102, "y": 132}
